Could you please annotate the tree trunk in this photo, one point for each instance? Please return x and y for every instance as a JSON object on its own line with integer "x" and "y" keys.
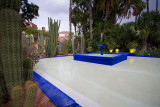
{"x": 90, "y": 19}
{"x": 144, "y": 43}
{"x": 70, "y": 19}
{"x": 136, "y": 19}
{"x": 147, "y": 5}
{"x": 75, "y": 29}
{"x": 157, "y": 6}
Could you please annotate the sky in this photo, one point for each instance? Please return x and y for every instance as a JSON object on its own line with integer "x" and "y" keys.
{"x": 59, "y": 10}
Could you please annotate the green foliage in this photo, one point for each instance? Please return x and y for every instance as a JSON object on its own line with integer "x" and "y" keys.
{"x": 17, "y": 96}
{"x": 11, "y": 4}
{"x": 30, "y": 92}
{"x": 28, "y": 69}
{"x": 89, "y": 49}
{"x": 149, "y": 29}
{"x": 51, "y": 42}
{"x": 69, "y": 46}
{"x": 10, "y": 44}
{"x": 32, "y": 31}
{"x": 29, "y": 10}
{"x": 64, "y": 47}
{"x": 132, "y": 45}
{"x": 148, "y": 53}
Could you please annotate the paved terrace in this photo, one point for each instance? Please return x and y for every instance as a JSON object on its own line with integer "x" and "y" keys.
{"x": 131, "y": 83}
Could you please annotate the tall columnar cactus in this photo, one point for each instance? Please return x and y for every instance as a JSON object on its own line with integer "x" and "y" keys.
{"x": 17, "y": 96}
{"x": 28, "y": 69}
{"x": 41, "y": 43}
{"x": 11, "y": 4}
{"x": 51, "y": 47}
{"x": 30, "y": 92}
{"x": 10, "y": 46}
{"x": 27, "y": 45}
{"x": 82, "y": 43}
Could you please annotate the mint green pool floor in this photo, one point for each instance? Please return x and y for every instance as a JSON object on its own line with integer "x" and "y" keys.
{"x": 131, "y": 83}
{"x": 104, "y": 55}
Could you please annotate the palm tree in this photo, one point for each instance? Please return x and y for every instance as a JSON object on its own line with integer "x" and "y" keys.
{"x": 90, "y": 19}
{"x": 113, "y": 8}
{"x": 70, "y": 18}
{"x": 138, "y": 7}
{"x": 157, "y": 6}
{"x": 147, "y": 5}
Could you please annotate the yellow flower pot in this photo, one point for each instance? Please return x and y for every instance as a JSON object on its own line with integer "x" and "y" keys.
{"x": 117, "y": 50}
{"x": 132, "y": 50}
{"x": 110, "y": 50}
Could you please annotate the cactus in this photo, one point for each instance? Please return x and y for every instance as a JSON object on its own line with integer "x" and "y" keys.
{"x": 30, "y": 92}
{"x": 28, "y": 69}
{"x": 41, "y": 43}
{"x": 10, "y": 46}
{"x": 27, "y": 45}
{"x": 16, "y": 96}
{"x": 82, "y": 43}
{"x": 51, "y": 47}
{"x": 11, "y": 4}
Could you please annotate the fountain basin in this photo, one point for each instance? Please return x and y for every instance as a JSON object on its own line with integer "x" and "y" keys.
{"x": 106, "y": 59}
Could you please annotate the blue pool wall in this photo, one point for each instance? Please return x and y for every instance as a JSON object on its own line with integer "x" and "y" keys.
{"x": 59, "y": 98}
{"x": 101, "y": 60}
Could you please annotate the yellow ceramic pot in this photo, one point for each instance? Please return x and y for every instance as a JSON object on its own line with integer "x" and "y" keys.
{"x": 132, "y": 50}
{"x": 110, "y": 50}
{"x": 117, "y": 50}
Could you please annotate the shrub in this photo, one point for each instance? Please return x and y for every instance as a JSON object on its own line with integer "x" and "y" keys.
{"x": 155, "y": 53}
{"x": 132, "y": 45}
{"x": 64, "y": 47}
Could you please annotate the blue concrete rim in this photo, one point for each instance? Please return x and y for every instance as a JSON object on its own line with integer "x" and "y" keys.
{"x": 56, "y": 56}
{"x": 59, "y": 98}
{"x": 146, "y": 56}
{"x": 129, "y": 54}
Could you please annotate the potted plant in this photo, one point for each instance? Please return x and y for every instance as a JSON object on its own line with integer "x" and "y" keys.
{"x": 132, "y": 47}
{"x": 117, "y": 50}
{"x": 111, "y": 46}
{"x": 90, "y": 49}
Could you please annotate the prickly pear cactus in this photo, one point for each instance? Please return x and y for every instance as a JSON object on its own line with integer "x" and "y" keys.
{"x": 10, "y": 46}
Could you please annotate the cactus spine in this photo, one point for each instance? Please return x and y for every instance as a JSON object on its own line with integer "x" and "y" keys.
{"x": 82, "y": 43}
{"x": 10, "y": 45}
{"x": 30, "y": 92}
{"x": 27, "y": 45}
{"x": 28, "y": 69}
{"x": 16, "y": 96}
{"x": 11, "y": 4}
{"x": 51, "y": 47}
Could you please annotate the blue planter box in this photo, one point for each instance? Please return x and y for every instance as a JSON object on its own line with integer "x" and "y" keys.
{"x": 101, "y": 60}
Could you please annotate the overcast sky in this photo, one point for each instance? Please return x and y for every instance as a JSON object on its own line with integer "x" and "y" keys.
{"x": 59, "y": 10}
